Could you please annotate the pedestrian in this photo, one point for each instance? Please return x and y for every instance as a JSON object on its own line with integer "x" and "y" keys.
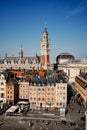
{"x": 79, "y": 110}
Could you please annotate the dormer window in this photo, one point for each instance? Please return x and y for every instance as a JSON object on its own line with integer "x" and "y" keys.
{"x": 48, "y": 84}
{"x": 61, "y": 81}
{"x": 43, "y": 84}
{"x": 34, "y": 84}
{"x": 52, "y": 84}
{"x": 39, "y": 84}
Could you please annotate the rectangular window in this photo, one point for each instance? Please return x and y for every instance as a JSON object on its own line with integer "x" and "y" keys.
{"x": 26, "y": 97}
{"x": 43, "y": 99}
{"x": 68, "y": 72}
{"x": 57, "y": 104}
{"x": 52, "y": 89}
{"x": 30, "y": 98}
{"x": 48, "y": 89}
{"x": 31, "y": 93}
{"x": 43, "y": 93}
{"x": 34, "y": 98}
{"x": 34, "y": 93}
{"x": 42, "y": 89}
{"x": 34, "y": 89}
{"x": 38, "y": 89}
{"x": 2, "y": 89}
{"x": 2, "y": 95}
{"x": 52, "y": 99}
{"x": 63, "y": 104}
{"x": 48, "y": 99}
{"x": 2, "y": 83}
{"x": 60, "y": 87}
{"x": 57, "y": 87}
{"x": 48, "y": 93}
{"x": 39, "y": 98}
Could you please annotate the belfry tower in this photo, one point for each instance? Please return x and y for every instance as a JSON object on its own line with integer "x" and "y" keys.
{"x": 21, "y": 52}
{"x": 45, "y": 50}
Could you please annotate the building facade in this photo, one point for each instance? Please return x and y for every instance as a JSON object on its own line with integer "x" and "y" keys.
{"x": 3, "y": 79}
{"x": 20, "y": 63}
{"x": 12, "y": 90}
{"x": 41, "y": 92}
{"x": 73, "y": 68}
{"x": 61, "y": 95}
{"x": 49, "y": 94}
{"x": 24, "y": 91}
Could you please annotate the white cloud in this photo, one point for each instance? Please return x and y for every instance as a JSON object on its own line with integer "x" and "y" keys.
{"x": 80, "y": 9}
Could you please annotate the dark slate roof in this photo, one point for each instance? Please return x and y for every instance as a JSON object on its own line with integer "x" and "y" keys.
{"x": 12, "y": 79}
{"x": 62, "y": 78}
{"x": 65, "y": 56}
{"x": 38, "y": 81}
{"x": 5, "y": 73}
{"x": 42, "y": 81}
{"x": 23, "y": 60}
{"x": 51, "y": 81}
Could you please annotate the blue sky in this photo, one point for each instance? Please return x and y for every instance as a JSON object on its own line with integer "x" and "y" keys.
{"x": 23, "y": 21}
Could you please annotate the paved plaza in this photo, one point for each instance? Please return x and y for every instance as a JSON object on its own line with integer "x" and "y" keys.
{"x": 72, "y": 120}
{"x": 47, "y": 119}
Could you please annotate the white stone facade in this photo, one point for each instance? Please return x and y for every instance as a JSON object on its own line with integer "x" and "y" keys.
{"x": 23, "y": 63}
{"x": 2, "y": 88}
{"x": 61, "y": 95}
{"x": 72, "y": 69}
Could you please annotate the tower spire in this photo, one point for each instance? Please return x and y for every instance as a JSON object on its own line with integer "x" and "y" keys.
{"x": 21, "y": 51}
{"x": 20, "y": 44}
{"x": 45, "y": 25}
